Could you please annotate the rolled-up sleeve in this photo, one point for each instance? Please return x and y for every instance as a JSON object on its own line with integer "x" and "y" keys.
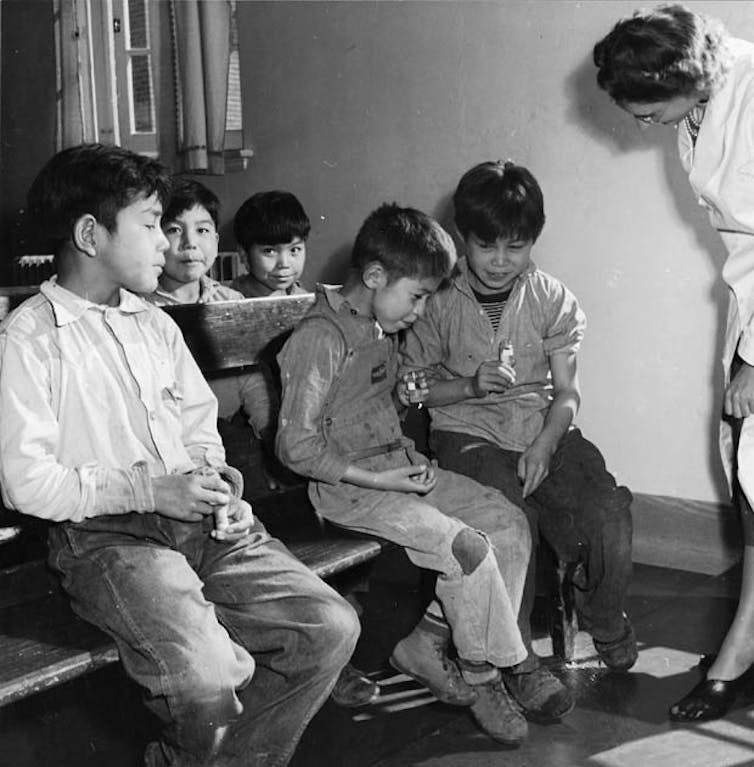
{"x": 566, "y": 322}
{"x": 309, "y": 363}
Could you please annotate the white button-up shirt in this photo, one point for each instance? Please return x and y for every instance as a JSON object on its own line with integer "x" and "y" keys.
{"x": 94, "y": 401}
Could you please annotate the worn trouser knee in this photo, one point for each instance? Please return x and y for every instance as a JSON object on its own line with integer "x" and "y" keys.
{"x": 614, "y": 526}
{"x": 469, "y": 547}
{"x": 201, "y": 698}
{"x": 332, "y": 632}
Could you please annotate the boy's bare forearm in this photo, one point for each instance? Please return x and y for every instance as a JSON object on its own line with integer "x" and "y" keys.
{"x": 559, "y": 418}
{"x": 449, "y": 392}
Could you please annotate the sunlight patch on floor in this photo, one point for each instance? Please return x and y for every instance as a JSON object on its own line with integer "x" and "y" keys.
{"x": 722, "y": 744}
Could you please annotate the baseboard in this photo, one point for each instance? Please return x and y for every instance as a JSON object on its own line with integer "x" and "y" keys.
{"x": 700, "y": 536}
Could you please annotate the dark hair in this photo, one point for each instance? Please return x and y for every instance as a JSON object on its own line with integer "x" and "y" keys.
{"x": 659, "y": 54}
{"x": 499, "y": 199}
{"x": 406, "y": 242}
{"x": 269, "y": 218}
{"x": 186, "y": 194}
{"x": 91, "y": 179}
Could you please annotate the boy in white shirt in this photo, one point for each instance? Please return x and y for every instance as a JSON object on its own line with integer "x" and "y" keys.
{"x": 109, "y": 429}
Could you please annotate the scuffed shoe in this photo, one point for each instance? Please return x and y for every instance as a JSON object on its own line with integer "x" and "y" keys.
{"x": 621, "y": 653}
{"x": 542, "y": 696}
{"x": 498, "y": 714}
{"x": 353, "y": 689}
{"x": 423, "y": 656}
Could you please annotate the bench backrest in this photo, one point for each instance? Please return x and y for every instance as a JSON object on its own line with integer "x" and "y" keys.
{"x": 229, "y": 335}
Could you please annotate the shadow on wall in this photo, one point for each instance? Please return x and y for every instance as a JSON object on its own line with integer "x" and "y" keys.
{"x": 336, "y": 269}
{"x": 612, "y": 127}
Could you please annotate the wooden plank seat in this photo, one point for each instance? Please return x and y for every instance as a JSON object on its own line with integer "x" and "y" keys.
{"x": 43, "y": 643}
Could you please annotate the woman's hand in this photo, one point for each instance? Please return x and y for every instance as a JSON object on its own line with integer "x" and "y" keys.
{"x": 739, "y": 394}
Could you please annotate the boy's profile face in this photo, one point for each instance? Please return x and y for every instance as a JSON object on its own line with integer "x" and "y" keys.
{"x": 494, "y": 266}
{"x": 192, "y": 249}
{"x": 131, "y": 256}
{"x": 398, "y": 304}
{"x": 278, "y": 266}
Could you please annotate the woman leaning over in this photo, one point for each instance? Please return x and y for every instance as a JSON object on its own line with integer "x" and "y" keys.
{"x": 671, "y": 66}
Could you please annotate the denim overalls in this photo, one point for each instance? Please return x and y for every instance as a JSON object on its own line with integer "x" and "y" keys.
{"x": 480, "y": 601}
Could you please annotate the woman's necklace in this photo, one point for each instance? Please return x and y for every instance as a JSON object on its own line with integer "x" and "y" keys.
{"x": 693, "y": 120}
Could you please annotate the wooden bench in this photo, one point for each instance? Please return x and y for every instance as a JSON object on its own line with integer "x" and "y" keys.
{"x": 43, "y": 643}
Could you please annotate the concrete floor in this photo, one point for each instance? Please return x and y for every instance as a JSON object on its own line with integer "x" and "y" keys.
{"x": 619, "y": 720}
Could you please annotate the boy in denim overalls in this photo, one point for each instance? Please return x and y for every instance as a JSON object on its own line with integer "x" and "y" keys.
{"x": 501, "y": 344}
{"x": 109, "y": 429}
{"x": 339, "y": 426}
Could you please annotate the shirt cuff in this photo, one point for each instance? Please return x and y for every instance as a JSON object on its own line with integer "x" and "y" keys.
{"x": 142, "y": 488}
{"x": 118, "y": 491}
{"x": 228, "y": 474}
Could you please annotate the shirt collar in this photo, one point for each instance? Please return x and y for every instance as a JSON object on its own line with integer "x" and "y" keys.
{"x": 207, "y": 287}
{"x": 338, "y": 303}
{"x": 460, "y": 277}
{"x": 68, "y": 307}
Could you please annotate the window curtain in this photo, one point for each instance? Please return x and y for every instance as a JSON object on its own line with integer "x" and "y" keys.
{"x": 75, "y": 115}
{"x": 201, "y": 54}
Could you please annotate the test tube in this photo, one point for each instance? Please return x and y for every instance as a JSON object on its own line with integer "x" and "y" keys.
{"x": 412, "y": 389}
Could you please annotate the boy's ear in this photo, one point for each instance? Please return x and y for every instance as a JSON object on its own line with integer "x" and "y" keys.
{"x": 85, "y": 234}
{"x": 374, "y": 275}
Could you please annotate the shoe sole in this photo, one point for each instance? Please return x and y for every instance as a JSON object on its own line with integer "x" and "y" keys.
{"x": 399, "y": 667}
{"x": 512, "y": 742}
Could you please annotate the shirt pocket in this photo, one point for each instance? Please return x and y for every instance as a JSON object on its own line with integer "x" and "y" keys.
{"x": 172, "y": 398}
{"x": 168, "y": 392}
{"x": 531, "y": 362}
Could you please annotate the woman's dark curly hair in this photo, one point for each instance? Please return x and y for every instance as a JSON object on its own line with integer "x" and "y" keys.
{"x": 659, "y": 54}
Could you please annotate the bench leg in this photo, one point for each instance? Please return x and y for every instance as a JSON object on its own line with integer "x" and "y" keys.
{"x": 563, "y": 620}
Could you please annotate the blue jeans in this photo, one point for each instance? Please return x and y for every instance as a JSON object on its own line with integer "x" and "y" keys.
{"x": 578, "y": 509}
{"x": 235, "y": 645}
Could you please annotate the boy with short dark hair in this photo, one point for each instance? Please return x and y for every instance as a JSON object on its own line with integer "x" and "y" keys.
{"x": 339, "y": 426}
{"x": 271, "y": 230}
{"x": 109, "y": 429}
{"x": 501, "y": 346}
{"x": 190, "y": 222}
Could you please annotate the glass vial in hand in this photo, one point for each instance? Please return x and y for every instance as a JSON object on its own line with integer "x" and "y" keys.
{"x": 415, "y": 381}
